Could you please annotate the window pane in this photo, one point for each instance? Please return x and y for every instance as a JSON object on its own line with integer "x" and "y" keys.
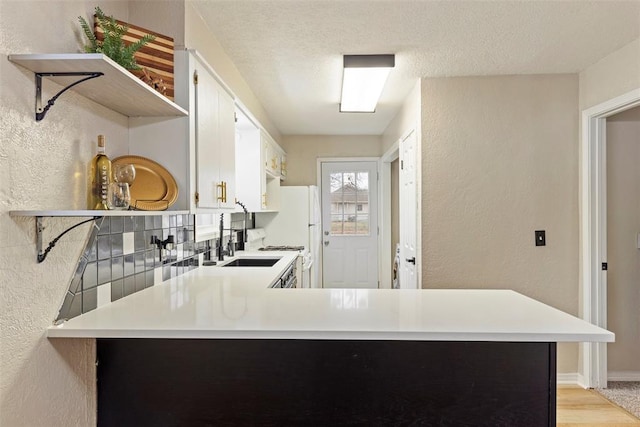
{"x": 336, "y": 224}
{"x": 362, "y": 225}
{"x": 349, "y": 203}
{"x": 335, "y": 181}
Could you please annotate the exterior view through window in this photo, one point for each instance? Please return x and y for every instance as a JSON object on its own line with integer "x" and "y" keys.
{"x": 349, "y": 203}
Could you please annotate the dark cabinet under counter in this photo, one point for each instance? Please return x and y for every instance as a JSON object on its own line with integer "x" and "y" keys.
{"x": 282, "y": 382}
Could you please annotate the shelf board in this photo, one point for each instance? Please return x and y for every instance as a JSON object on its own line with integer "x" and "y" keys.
{"x": 117, "y": 89}
{"x": 91, "y": 213}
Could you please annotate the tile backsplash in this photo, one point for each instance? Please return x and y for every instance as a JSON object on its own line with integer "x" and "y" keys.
{"x": 120, "y": 259}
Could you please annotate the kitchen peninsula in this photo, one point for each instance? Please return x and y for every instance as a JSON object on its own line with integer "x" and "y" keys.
{"x": 217, "y": 346}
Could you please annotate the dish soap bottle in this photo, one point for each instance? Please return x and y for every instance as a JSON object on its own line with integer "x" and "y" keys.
{"x": 99, "y": 178}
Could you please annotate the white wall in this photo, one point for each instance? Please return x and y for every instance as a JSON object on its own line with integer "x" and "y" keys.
{"x": 623, "y": 257}
{"x": 499, "y": 161}
{"x": 42, "y": 165}
{"x": 614, "y": 75}
{"x": 304, "y": 150}
{"x": 408, "y": 118}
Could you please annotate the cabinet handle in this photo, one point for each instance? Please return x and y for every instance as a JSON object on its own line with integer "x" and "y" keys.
{"x": 224, "y": 192}
{"x": 220, "y": 194}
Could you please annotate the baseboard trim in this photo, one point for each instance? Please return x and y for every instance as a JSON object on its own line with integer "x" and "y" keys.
{"x": 567, "y": 378}
{"x": 623, "y": 376}
{"x": 582, "y": 381}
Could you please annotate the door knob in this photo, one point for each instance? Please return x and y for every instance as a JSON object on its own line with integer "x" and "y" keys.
{"x": 411, "y": 260}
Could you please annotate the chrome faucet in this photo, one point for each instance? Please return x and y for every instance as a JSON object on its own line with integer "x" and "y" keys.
{"x": 231, "y": 245}
{"x": 219, "y": 249}
{"x": 244, "y": 226}
{"x": 230, "y": 250}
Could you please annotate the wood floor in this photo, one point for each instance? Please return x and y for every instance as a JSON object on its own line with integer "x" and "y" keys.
{"x": 578, "y": 407}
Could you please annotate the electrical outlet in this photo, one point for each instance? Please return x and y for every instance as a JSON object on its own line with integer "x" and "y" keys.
{"x": 540, "y": 238}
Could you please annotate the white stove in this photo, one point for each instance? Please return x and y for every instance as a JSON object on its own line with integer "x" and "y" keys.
{"x": 255, "y": 241}
{"x": 282, "y": 248}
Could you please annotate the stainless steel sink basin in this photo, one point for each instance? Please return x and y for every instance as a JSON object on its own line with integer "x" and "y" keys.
{"x": 252, "y": 262}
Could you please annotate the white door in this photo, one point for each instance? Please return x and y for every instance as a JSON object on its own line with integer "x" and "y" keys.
{"x": 408, "y": 212}
{"x": 207, "y": 137}
{"x": 349, "y": 224}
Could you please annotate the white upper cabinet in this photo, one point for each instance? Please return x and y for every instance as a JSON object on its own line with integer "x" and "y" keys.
{"x": 198, "y": 150}
{"x": 257, "y": 188}
{"x": 272, "y": 155}
{"x": 283, "y": 166}
{"x": 214, "y": 141}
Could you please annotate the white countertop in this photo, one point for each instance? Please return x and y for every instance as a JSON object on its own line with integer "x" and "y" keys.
{"x": 228, "y": 302}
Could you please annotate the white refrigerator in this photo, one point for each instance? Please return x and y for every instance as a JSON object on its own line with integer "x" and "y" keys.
{"x": 297, "y": 223}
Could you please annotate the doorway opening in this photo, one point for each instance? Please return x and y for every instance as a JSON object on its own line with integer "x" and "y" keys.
{"x": 623, "y": 246}
{"x": 593, "y": 231}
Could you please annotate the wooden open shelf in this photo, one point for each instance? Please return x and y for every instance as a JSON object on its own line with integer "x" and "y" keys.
{"x": 116, "y": 89}
{"x": 91, "y": 213}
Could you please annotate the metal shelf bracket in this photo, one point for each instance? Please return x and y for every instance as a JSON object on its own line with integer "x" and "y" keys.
{"x": 42, "y": 111}
{"x": 42, "y": 254}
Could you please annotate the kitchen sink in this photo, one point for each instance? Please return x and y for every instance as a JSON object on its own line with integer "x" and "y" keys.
{"x": 252, "y": 262}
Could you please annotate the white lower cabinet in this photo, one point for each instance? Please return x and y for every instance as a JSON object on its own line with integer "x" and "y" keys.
{"x": 198, "y": 150}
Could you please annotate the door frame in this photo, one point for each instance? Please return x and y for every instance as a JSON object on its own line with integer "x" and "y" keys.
{"x": 384, "y": 214}
{"x": 380, "y": 208}
{"x": 593, "y": 230}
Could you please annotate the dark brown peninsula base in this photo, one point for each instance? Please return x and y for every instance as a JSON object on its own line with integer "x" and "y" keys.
{"x": 186, "y": 382}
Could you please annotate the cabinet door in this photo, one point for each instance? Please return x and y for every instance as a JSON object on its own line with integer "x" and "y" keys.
{"x": 207, "y": 131}
{"x": 283, "y": 166}
{"x": 271, "y": 157}
{"x": 227, "y": 152}
{"x": 266, "y": 152}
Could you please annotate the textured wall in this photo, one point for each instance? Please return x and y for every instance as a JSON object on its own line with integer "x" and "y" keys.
{"x": 42, "y": 165}
{"x": 614, "y": 75}
{"x": 623, "y": 222}
{"x": 304, "y": 150}
{"x": 408, "y": 118}
{"x": 500, "y": 160}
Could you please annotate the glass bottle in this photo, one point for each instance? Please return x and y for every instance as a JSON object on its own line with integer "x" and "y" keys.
{"x": 99, "y": 178}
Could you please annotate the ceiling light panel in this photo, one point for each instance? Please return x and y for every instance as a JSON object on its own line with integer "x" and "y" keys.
{"x": 363, "y": 81}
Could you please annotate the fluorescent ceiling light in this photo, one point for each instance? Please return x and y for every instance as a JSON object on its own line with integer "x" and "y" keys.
{"x": 363, "y": 80}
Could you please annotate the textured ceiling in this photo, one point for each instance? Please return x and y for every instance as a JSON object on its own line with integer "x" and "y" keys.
{"x": 290, "y": 52}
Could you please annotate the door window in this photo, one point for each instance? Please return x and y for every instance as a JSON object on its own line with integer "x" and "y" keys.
{"x": 350, "y": 203}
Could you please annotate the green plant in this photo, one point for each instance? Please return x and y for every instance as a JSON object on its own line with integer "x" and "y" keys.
{"x": 113, "y": 44}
